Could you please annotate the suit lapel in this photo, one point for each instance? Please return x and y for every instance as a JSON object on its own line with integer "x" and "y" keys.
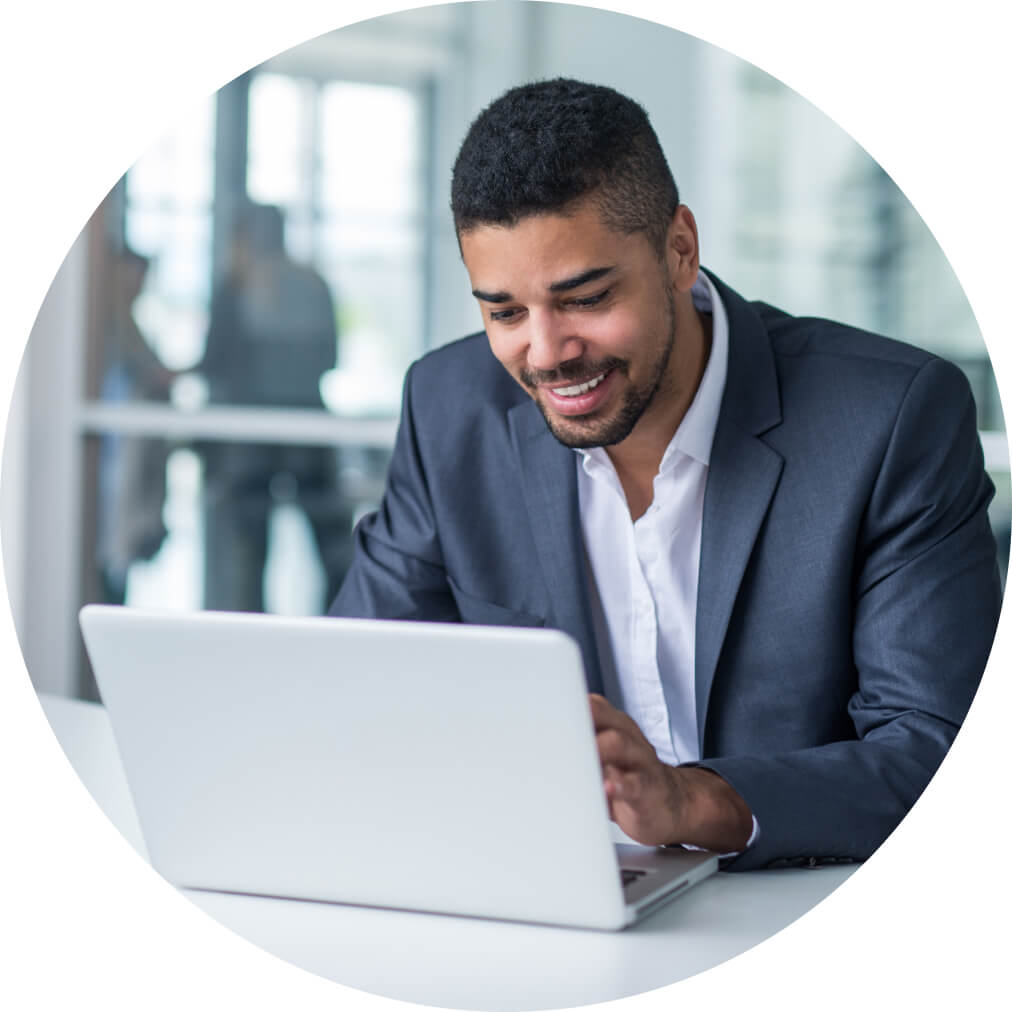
{"x": 549, "y": 487}
{"x": 743, "y": 476}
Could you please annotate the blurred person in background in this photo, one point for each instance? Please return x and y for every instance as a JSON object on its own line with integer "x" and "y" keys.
{"x": 131, "y": 470}
{"x": 272, "y": 334}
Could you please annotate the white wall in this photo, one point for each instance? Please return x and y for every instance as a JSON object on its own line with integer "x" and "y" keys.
{"x": 13, "y": 507}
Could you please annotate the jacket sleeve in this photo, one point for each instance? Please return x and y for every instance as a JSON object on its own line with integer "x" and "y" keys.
{"x": 925, "y": 606}
{"x": 397, "y": 570}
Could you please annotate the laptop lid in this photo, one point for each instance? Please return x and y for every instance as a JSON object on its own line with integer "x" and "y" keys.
{"x": 411, "y": 765}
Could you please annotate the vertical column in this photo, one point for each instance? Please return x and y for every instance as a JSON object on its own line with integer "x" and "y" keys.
{"x": 230, "y": 151}
{"x": 51, "y": 377}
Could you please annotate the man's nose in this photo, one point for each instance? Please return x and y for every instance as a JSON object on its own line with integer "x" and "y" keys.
{"x": 551, "y": 341}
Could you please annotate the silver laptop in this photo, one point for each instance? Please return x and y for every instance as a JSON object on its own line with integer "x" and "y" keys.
{"x": 439, "y": 768}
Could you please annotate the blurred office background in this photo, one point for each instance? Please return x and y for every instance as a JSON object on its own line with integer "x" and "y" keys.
{"x": 210, "y": 393}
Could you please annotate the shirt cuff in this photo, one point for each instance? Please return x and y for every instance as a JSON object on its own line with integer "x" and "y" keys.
{"x": 753, "y": 836}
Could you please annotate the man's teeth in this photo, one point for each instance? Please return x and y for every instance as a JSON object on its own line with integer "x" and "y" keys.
{"x": 580, "y": 388}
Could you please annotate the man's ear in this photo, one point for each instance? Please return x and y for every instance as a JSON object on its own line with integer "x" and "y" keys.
{"x": 681, "y": 248}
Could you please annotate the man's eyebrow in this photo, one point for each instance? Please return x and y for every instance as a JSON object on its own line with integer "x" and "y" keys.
{"x": 491, "y": 296}
{"x": 559, "y": 286}
{"x": 580, "y": 279}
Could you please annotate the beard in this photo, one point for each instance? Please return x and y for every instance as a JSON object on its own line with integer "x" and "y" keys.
{"x": 586, "y": 431}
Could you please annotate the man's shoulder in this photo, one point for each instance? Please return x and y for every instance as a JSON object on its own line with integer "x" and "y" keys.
{"x": 826, "y": 371}
{"x": 811, "y": 352}
{"x": 836, "y": 344}
{"x": 463, "y": 375}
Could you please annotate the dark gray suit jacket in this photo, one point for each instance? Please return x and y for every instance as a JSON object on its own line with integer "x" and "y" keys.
{"x": 848, "y": 585}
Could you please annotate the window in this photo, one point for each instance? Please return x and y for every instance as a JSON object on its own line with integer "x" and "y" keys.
{"x": 344, "y": 160}
{"x": 188, "y": 517}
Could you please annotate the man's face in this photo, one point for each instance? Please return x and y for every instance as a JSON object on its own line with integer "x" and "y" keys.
{"x": 583, "y": 317}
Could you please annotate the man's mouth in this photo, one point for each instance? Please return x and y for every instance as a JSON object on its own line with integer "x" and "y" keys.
{"x": 582, "y": 398}
{"x": 579, "y": 388}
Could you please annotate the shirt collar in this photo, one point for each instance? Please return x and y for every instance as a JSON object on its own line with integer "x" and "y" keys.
{"x": 694, "y": 436}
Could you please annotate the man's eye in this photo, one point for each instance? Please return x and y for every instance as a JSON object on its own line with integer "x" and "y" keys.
{"x": 590, "y": 300}
{"x": 502, "y": 315}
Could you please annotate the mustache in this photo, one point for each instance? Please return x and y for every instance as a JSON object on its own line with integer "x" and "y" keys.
{"x": 576, "y": 371}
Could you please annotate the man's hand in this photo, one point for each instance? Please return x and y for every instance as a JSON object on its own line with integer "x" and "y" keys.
{"x": 658, "y": 804}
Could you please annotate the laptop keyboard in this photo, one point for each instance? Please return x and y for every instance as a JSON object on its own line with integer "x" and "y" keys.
{"x": 630, "y": 875}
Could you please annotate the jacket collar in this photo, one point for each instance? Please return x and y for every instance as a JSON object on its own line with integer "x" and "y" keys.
{"x": 744, "y": 473}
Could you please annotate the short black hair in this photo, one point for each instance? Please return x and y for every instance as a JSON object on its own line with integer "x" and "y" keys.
{"x": 542, "y": 147}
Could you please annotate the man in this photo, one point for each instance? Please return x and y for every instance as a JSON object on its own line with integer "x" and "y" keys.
{"x": 769, "y": 535}
{"x": 272, "y": 334}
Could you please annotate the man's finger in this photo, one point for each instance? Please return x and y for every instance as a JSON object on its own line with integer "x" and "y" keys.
{"x": 612, "y": 745}
{"x": 618, "y": 747}
{"x": 609, "y": 779}
{"x": 605, "y": 715}
{"x": 625, "y": 786}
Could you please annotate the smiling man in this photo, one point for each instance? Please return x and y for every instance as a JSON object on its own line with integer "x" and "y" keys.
{"x": 612, "y": 354}
{"x": 768, "y": 535}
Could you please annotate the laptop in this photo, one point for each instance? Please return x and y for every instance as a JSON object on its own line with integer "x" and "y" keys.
{"x": 416, "y": 766}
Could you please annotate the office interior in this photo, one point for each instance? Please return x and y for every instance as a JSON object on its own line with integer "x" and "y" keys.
{"x": 139, "y": 469}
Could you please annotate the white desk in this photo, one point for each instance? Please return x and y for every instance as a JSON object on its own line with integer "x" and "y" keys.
{"x": 463, "y": 962}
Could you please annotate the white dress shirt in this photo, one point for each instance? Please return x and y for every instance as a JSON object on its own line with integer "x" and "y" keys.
{"x": 646, "y": 573}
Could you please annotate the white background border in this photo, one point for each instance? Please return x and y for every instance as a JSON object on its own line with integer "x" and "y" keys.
{"x": 85, "y": 88}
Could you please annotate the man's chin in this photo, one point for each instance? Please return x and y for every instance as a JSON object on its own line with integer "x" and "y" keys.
{"x": 584, "y": 432}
